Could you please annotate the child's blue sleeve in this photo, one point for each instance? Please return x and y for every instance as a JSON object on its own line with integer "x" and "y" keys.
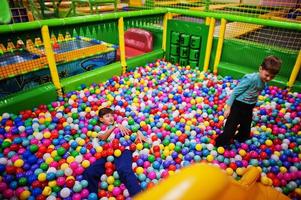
{"x": 239, "y": 89}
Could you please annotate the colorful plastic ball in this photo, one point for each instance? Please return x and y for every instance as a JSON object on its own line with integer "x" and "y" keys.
{"x": 65, "y": 192}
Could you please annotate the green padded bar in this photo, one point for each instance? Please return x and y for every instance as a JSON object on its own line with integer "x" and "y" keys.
{"x": 28, "y": 99}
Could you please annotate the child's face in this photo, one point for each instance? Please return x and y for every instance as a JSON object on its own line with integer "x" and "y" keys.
{"x": 265, "y": 75}
{"x": 107, "y": 119}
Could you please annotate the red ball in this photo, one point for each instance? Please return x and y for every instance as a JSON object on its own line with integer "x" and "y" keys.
{"x": 70, "y": 183}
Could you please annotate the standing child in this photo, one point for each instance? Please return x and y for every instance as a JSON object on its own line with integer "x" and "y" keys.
{"x": 243, "y": 99}
{"x": 123, "y": 163}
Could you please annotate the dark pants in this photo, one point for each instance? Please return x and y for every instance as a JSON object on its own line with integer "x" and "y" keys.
{"x": 123, "y": 166}
{"x": 240, "y": 114}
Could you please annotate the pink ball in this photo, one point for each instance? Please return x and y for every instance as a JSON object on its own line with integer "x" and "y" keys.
{"x": 73, "y": 165}
{"x": 34, "y": 141}
{"x": 3, "y": 186}
{"x": 79, "y": 170}
{"x": 116, "y": 191}
{"x": 14, "y": 158}
{"x": 19, "y": 191}
{"x": 152, "y": 175}
{"x": 146, "y": 164}
{"x": 223, "y": 166}
{"x": 60, "y": 181}
{"x": 8, "y": 193}
{"x": 47, "y": 142}
{"x": 92, "y": 159}
{"x": 21, "y": 151}
{"x": 54, "y": 164}
{"x": 76, "y": 196}
{"x": 84, "y": 193}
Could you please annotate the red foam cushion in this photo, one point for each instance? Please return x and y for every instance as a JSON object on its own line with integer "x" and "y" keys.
{"x": 139, "y": 39}
{"x": 129, "y": 52}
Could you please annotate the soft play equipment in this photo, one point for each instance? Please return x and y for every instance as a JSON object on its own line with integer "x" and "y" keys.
{"x": 137, "y": 41}
{"x": 204, "y": 182}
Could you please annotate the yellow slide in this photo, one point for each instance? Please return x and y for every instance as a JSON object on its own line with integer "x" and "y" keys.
{"x": 206, "y": 182}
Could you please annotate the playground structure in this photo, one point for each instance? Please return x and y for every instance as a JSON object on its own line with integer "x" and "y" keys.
{"x": 18, "y": 61}
{"x": 202, "y": 44}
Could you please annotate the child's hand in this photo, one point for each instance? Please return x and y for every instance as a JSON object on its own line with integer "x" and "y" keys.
{"x": 227, "y": 112}
{"x": 141, "y": 137}
{"x": 123, "y": 129}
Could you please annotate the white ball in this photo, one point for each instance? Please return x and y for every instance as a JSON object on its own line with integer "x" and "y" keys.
{"x": 65, "y": 192}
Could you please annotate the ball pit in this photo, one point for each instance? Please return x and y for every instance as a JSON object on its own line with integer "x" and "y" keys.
{"x": 44, "y": 151}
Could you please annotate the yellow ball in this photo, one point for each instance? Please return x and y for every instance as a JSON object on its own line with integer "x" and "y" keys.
{"x": 49, "y": 160}
{"x": 265, "y": 180}
{"x": 18, "y": 163}
{"x": 221, "y": 118}
{"x": 86, "y": 163}
{"x": 110, "y": 188}
{"x": 166, "y": 152}
{"x": 139, "y": 146}
{"x": 24, "y": 195}
{"x": 220, "y": 150}
{"x": 42, "y": 177}
{"x": 171, "y": 146}
{"x": 117, "y": 153}
{"x": 99, "y": 149}
{"x": 47, "y": 134}
{"x": 81, "y": 142}
{"x": 242, "y": 152}
{"x": 240, "y": 171}
{"x": 53, "y": 153}
{"x": 47, "y": 191}
{"x": 210, "y": 158}
{"x": 52, "y": 183}
{"x": 70, "y": 159}
{"x": 64, "y": 166}
{"x": 198, "y": 147}
{"x": 269, "y": 142}
{"x": 229, "y": 171}
{"x": 110, "y": 179}
{"x": 139, "y": 170}
{"x": 283, "y": 169}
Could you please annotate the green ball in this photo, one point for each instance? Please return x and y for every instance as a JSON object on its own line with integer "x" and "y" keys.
{"x": 57, "y": 158}
{"x": 117, "y": 183}
{"x": 33, "y": 148}
{"x": 22, "y": 181}
{"x": 61, "y": 151}
{"x": 165, "y": 142}
{"x": 131, "y": 121}
{"x": 167, "y": 127}
{"x": 74, "y": 153}
{"x": 56, "y": 189}
{"x": 146, "y": 145}
{"x": 177, "y": 148}
{"x": 6, "y": 144}
{"x": 74, "y": 115}
{"x": 44, "y": 166}
{"x": 151, "y": 158}
{"x": 93, "y": 122}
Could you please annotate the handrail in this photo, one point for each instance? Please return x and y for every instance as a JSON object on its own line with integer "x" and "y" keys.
{"x": 236, "y": 18}
{"x": 75, "y": 20}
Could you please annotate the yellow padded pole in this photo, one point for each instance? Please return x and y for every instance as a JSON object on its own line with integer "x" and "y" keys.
{"x": 122, "y": 44}
{"x": 167, "y": 16}
{"x": 219, "y": 45}
{"x": 209, "y": 44}
{"x": 51, "y": 60}
{"x": 295, "y": 71}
